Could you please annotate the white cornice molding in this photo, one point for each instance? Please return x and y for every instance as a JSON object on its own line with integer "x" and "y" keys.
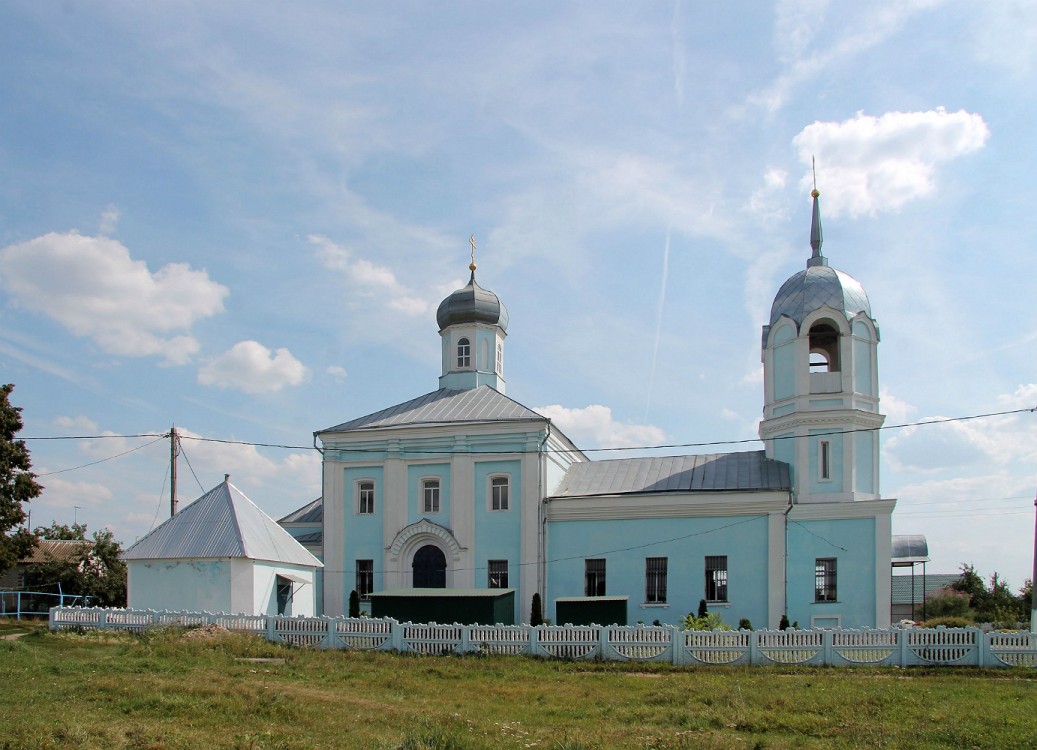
{"x": 682, "y": 505}
{"x": 866, "y": 420}
{"x": 426, "y": 528}
{"x": 838, "y": 511}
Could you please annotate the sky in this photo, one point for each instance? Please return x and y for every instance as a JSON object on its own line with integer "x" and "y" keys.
{"x": 238, "y": 219}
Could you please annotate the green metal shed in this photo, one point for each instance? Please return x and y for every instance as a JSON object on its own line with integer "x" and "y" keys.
{"x": 591, "y": 610}
{"x": 464, "y": 606}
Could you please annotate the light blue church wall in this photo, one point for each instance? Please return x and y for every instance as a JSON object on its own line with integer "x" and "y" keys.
{"x": 363, "y": 532}
{"x": 497, "y": 533}
{"x": 862, "y": 362}
{"x": 196, "y": 585}
{"x": 784, "y": 371}
{"x": 852, "y": 543}
{"x": 865, "y": 452}
{"x": 625, "y": 545}
{"x": 415, "y": 474}
{"x": 814, "y": 482}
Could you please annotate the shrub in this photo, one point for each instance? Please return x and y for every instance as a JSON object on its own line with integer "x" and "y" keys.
{"x": 783, "y": 624}
{"x": 711, "y": 621}
{"x": 354, "y": 604}
{"x": 948, "y": 602}
{"x": 703, "y": 609}
{"x": 744, "y": 624}
{"x": 948, "y": 622}
{"x": 536, "y": 616}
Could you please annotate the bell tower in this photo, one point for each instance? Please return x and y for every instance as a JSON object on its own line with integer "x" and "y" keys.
{"x": 821, "y": 391}
{"x": 473, "y": 324}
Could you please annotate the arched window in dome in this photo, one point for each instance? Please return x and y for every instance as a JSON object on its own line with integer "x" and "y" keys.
{"x": 464, "y": 353}
{"x": 824, "y": 347}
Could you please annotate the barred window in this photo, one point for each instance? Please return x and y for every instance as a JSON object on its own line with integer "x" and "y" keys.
{"x": 365, "y": 497}
{"x": 464, "y": 353}
{"x": 655, "y": 580}
{"x": 716, "y": 578}
{"x": 430, "y": 494}
{"x": 594, "y": 577}
{"x": 498, "y": 574}
{"x": 499, "y": 491}
{"x": 824, "y": 460}
{"x": 824, "y": 579}
{"x": 364, "y": 578}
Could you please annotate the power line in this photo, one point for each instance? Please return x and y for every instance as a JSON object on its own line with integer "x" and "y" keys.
{"x": 103, "y": 460}
{"x": 661, "y": 446}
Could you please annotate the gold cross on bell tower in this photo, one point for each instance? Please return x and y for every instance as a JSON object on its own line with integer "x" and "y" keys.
{"x": 471, "y": 241}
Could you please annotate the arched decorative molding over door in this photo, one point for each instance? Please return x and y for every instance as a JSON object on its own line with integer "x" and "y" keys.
{"x": 411, "y": 540}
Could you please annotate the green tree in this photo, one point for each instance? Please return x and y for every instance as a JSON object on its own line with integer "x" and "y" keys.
{"x": 947, "y": 602}
{"x": 536, "y": 616}
{"x": 96, "y": 572}
{"x": 354, "y": 603}
{"x": 17, "y": 485}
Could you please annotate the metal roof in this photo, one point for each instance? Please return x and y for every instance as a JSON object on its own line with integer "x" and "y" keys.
{"x": 815, "y": 287}
{"x": 472, "y": 304}
{"x": 312, "y": 512}
{"x": 901, "y": 591}
{"x": 909, "y": 549}
{"x": 221, "y": 523}
{"x": 445, "y": 406}
{"x": 710, "y": 473}
{"x": 313, "y": 539}
{"x": 56, "y": 550}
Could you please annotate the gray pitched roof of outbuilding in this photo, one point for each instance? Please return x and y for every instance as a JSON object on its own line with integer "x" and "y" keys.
{"x": 445, "y": 406}
{"x": 748, "y": 471}
{"x": 933, "y": 582}
{"x": 221, "y": 523}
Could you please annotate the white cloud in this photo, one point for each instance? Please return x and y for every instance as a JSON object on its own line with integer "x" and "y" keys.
{"x": 995, "y": 442}
{"x": 869, "y": 164}
{"x": 377, "y": 283}
{"x": 250, "y": 367}
{"x": 338, "y": 373}
{"x": 61, "y": 493}
{"x": 594, "y": 426}
{"x": 94, "y": 288}
{"x": 857, "y": 30}
{"x": 82, "y": 425}
{"x": 109, "y": 220}
{"x": 765, "y": 202}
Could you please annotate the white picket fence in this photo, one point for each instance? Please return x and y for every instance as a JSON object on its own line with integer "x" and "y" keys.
{"x": 641, "y": 643}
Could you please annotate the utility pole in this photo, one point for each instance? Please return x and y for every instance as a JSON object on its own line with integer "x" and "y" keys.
{"x": 1033, "y": 579}
{"x": 174, "y": 451}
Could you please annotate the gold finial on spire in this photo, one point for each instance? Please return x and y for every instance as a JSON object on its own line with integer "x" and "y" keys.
{"x": 471, "y": 241}
{"x": 813, "y": 170}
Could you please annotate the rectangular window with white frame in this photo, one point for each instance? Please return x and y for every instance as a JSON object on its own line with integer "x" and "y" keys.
{"x": 594, "y": 577}
{"x": 365, "y": 497}
{"x": 825, "y": 588}
{"x": 430, "y": 496}
{"x": 655, "y": 580}
{"x": 497, "y": 575}
{"x": 500, "y": 493}
{"x": 716, "y": 578}
{"x": 824, "y": 460}
{"x": 364, "y": 579}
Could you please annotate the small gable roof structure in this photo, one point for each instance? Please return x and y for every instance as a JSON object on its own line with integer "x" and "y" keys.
{"x": 222, "y": 523}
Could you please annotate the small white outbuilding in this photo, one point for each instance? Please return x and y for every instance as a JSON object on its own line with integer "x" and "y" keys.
{"x": 222, "y": 553}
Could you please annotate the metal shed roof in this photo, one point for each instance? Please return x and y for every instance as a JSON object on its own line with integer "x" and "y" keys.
{"x": 221, "y": 523}
{"x": 909, "y": 549}
{"x": 746, "y": 471}
{"x": 482, "y": 404}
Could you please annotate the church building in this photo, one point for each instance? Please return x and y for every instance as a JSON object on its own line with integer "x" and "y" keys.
{"x": 464, "y": 488}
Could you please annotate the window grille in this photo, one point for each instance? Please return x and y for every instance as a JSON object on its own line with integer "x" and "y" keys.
{"x": 825, "y": 579}
{"x": 364, "y": 579}
{"x": 498, "y": 574}
{"x": 655, "y": 580}
{"x": 716, "y": 578}
{"x": 594, "y": 577}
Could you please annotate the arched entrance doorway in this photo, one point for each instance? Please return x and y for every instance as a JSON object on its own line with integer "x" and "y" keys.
{"x": 429, "y": 568}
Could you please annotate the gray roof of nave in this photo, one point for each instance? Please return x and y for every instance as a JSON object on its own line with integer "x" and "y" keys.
{"x": 746, "y": 471}
{"x": 445, "y": 406}
{"x": 312, "y": 512}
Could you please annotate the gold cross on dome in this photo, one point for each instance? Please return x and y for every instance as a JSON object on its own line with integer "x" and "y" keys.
{"x": 471, "y": 241}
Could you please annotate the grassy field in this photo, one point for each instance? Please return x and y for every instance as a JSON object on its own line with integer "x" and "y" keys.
{"x": 166, "y": 690}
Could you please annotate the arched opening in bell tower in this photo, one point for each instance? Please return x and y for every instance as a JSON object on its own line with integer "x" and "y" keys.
{"x": 824, "y": 347}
